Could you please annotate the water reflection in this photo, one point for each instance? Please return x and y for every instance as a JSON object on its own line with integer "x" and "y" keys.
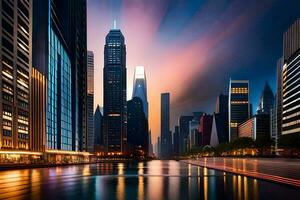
{"x": 137, "y": 180}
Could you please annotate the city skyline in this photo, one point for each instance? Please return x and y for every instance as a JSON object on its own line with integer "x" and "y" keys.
{"x": 152, "y": 35}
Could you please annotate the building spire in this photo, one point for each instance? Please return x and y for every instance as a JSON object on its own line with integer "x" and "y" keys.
{"x": 115, "y": 24}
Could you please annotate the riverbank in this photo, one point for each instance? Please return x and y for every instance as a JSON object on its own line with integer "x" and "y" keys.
{"x": 284, "y": 171}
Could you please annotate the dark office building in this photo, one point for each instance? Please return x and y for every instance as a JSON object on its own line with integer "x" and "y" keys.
{"x": 221, "y": 118}
{"x": 59, "y": 53}
{"x": 238, "y": 106}
{"x": 137, "y": 126}
{"x": 291, "y": 80}
{"x": 98, "y": 130}
{"x": 184, "y": 122}
{"x": 266, "y": 100}
{"x": 176, "y": 141}
{"x": 115, "y": 108}
{"x": 15, "y": 68}
{"x": 166, "y": 138}
{"x": 205, "y": 129}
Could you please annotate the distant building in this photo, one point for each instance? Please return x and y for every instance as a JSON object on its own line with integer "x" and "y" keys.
{"x": 176, "y": 141}
{"x": 184, "y": 133}
{"x": 114, "y": 98}
{"x": 291, "y": 80}
{"x": 238, "y": 106}
{"x": 150, "y": 145}
{"x": 194, "y": 135}
{"x": 214, "y": 139}
{"x": 266, "y": 100}
{"x": 137, "y": 126}
{"x": 140, "y": 87}
{"x": 205, "y": 129}
{"x": 98, "y": 130}
{"x": 90, "y": 102}
{"x": 257, "y": 126}
{"x": 158, "y": 147}
{"x": 166, "y": 138}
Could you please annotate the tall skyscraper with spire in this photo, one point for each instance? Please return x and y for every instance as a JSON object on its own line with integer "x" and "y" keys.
{"x": 140, "y": 87}
{"x": 115, "y": 105}
{"x": 266, "y": 100}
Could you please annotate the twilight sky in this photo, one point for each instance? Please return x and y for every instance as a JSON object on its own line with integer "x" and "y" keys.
{"x": 191, "y": 48}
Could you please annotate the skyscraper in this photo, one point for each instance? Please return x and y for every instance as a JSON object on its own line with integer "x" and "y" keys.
{"x": 15, "y": 68}
{"x": 98, "y": 130}
{"x": 115, "y": 104}
{"x": 291, "y": 80}
{"x": 221, "y": 118}
{"x": 176, "y": 141}
{"x": 165, "y": 125}
{"x": 238, "y": 106}
{"x": 184, "y": 122}
{"x": 137, "y": 128}
{"x": 59, "y": 53}
{"x": 266, "y": 100}
{"x": 90, "y": 101}
{"x": 140, "y": 87}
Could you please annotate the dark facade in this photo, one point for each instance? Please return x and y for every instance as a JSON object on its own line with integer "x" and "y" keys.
{"x": 266, "y": 100}
{"x": 15, "y": 67}
{"x": 176, "y": 141}
{"x": 238, "y": 106}
{"x": 205, "y": 129}
{"x": 166, "y": 138}
{"x": 221, "y": 118}
{"x": 137, "y": 127}
{"x": 115, "y": 108}
{"x": 184, "y": 132}
{"x": 291, "y": 80}
{"x": 98, "y": 130}
{"x": 59, "y": 53}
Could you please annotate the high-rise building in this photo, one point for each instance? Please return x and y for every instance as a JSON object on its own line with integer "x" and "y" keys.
{"x": 115, "y": 108}
{"x": 98, "y": 130}
{"x": 194, "y": 135}
{"x": 266, "y": 100}
{"x": 90, "y": 102}
{"x": 137, "y": 126}
{"x": 184, "y": 122}
{"x": 165, "y": 125}
{"x": 291, "y": 80}
{"x": 279, "y": 96}
{"x": 38, "y": 111}
{"x": 140, "y": 87}
{"x": 205, "y": 129}
{"x": 150, "y": 145}
{"x": 59, "y": 53}
{"x": 15, "y": 68}
{"x": 176, "y": 141}
{"x": 221, "y": 118}
{"x": 238, "y": 106}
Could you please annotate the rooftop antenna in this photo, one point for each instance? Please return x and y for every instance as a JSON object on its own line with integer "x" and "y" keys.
{"x": 115, "y": 24}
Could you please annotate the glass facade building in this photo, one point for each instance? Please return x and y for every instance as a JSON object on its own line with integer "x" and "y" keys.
{"x": 59, "y": 120}
{"x": 238, "y": 106}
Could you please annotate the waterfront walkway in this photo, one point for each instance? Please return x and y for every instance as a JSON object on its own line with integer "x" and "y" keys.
{"x": 285, "y": 171}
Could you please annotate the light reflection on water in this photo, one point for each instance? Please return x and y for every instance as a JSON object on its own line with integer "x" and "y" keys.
{"x": 137, "y": 180}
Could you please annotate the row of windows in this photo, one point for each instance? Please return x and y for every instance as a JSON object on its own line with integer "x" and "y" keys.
{"x": 239, "y": 90}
